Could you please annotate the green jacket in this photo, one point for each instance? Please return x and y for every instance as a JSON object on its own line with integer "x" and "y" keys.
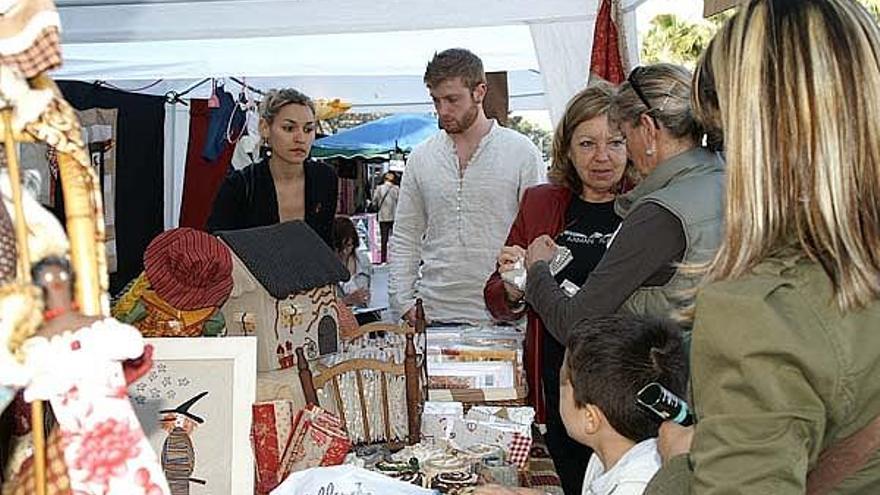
{"x": 778, "y": 375}
{"x": 691, "y": 187}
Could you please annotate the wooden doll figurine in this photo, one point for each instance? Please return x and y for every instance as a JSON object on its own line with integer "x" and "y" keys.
{"x": 54, "y": 276}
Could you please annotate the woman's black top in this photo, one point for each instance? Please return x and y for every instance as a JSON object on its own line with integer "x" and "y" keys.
{"x": 248, "y": 199}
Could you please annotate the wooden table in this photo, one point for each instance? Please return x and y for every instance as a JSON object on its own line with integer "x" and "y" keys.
{"x": 541, "y": 472}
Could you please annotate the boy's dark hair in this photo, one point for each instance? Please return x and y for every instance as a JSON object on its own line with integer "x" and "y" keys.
{"x": 455, "y": 62}
{"x": 610, "y": 358}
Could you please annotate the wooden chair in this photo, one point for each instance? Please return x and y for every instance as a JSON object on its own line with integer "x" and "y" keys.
{"x": 410, "y": 369}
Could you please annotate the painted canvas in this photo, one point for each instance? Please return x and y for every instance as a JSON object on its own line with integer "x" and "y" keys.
{"x": 195, "y": 408}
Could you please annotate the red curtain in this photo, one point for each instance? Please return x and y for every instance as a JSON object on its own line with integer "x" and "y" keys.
{"x": 203, "y": 178}
{"x": 606, "y": 61}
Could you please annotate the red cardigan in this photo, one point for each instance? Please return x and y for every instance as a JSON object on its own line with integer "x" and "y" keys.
{"x": 541, "y": 211}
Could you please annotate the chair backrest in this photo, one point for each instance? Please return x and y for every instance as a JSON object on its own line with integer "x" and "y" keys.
{"x": 362, "y": 368}
{"x": 402, "y": 328}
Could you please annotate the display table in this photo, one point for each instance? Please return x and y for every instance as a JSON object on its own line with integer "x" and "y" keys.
{"x": 541, "y": 474}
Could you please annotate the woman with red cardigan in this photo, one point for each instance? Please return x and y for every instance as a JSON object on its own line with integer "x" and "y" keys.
{"x": 577, "y": 211}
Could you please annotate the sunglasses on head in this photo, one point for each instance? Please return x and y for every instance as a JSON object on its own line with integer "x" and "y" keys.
{"x": 632, "y": 79}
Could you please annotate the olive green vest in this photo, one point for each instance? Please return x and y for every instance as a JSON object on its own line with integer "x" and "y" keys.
{"x": 691, "y": 187}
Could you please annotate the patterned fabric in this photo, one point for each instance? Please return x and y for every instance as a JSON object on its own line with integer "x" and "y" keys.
{"x": 7, "y": 247}
{"x": 270, "y": 433}
{"x": 57, "y": 481}
{"x": 29, "y": 37}
{"x": 79, "y": 372}
{"x": 162, "y": 320}
{"x": 606, "y": 60}
{"x": 189, "y": 269}
{"x": 178, "y": 460}
{"x": 43, "y": 55}
{"x": 541, "y": 473}
{"x": 519, "y": 449}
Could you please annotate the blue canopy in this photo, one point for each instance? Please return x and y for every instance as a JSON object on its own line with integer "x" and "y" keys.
{"x": 379, "y": 138}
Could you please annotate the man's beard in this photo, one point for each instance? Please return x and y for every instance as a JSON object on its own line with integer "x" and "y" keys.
{"x": 460, "y": 125}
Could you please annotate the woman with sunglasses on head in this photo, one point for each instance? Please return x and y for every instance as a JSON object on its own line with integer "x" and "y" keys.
{"x": 577, "y": 209}
{"x": 786, "y": 346}
{"x": 673, "y": 216}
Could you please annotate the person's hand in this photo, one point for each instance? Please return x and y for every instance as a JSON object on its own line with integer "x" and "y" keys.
{"x": 506, "y": 260}
{"x": 674, "y": 440}
{"x": 360, "y": 297}
{"x": 133, "y": 369}
{"x": 541, "y": 249}
{"x": 504, "y": 490}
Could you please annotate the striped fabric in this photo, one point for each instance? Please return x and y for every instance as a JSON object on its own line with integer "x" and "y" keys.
{"x": 189, "y": 269}
{"x": 178, "y": 461}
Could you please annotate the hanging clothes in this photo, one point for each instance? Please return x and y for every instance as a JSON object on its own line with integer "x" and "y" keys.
{"x": 226, "y": 121}
{"x": 140, "y": 165}
{"x": 202, "y": 177}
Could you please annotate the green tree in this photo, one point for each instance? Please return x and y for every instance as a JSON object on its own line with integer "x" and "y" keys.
{"x": 347, "y": 121}
{"x": 873, "y": 7}
{"x": 675, "y": 40}
{"x": 541, "y": 137}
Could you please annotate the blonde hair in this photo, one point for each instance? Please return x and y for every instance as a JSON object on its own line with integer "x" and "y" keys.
{"x": 667, "y": 88}
{"x": 591, "y": 102}
{"x": 276, "y": 99}
{"x": 796, "y": 88}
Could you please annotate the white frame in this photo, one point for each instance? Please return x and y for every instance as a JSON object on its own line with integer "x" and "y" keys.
{"x": 243, "y": 353}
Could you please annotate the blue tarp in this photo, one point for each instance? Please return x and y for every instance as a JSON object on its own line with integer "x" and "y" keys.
{"x": 379, "y": 138}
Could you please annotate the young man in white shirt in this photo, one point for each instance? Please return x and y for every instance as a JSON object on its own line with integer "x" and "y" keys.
{"x": 459, "y": 195}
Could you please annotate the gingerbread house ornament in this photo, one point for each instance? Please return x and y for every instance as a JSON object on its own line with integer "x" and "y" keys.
{"x": 284, "y": 292}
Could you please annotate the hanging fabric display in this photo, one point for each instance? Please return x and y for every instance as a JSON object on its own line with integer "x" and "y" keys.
{"x": 136, "y": 196}
{"x": 202, "y": 178}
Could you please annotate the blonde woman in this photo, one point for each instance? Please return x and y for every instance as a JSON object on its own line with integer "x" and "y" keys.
{"x": 286, "y": 185}
{"x": 786, "y": 341}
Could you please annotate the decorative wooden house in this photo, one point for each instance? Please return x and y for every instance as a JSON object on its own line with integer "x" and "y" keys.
{"x": 284, "y": 292}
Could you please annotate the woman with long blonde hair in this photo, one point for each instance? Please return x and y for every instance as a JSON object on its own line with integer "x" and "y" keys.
{"x": 786, "y": 339}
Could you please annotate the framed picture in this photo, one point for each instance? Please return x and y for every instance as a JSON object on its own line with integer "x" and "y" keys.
{"x": 195, "y": 409}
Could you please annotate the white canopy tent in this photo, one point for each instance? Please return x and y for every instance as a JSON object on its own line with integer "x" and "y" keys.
{"x": 369, "y": 53}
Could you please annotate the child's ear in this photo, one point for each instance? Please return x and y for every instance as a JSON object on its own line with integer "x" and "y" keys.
{"x": 593, "y": 419}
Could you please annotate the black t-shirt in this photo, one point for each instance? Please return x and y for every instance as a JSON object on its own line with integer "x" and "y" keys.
{"x": 588, "y": 228}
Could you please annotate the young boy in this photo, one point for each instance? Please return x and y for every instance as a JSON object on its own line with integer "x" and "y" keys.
{"x": 608, "y": 360}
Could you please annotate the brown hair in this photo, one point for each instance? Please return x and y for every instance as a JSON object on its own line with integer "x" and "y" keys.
{"x": 796, "y": 88}
{"x": 610, "y": 358}
{"x": 343, "y": 229}
{"x": 667, "y": 88}
{"x": 593, "y": 101}
{"x": 455, "y": 62}
{"x": 277, "y": 99}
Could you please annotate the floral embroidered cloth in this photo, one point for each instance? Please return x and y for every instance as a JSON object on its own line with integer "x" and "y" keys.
{"x": 80, "y": 373}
